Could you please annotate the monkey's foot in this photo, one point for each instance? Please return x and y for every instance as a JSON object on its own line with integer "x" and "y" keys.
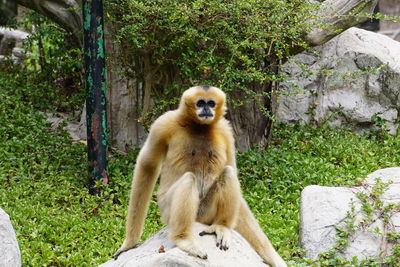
{"x": 191, "y": 247}
{"x": 222, "y": 233}
{"x": 125, "y": 247}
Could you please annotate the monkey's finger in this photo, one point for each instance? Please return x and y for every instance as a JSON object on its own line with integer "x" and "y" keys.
{"x": 223, "y": 239}
{"x": 206, "y": 233}
{"x": 220, "y": 240}
{"x": 224, "y": 244}
{"x": 222, "y": 247}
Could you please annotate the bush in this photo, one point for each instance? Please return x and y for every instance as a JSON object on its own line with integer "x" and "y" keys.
{"x": 171, "y": 45}
{"x": 52, "y": 64}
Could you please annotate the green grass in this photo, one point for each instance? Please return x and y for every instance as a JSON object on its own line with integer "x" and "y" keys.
{"x": 43, "y": 185}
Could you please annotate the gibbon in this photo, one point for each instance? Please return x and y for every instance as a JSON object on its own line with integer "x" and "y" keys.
{"x": 192, "y": 148}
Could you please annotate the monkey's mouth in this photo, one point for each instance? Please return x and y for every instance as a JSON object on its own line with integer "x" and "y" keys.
{"x": 206, "y": 116}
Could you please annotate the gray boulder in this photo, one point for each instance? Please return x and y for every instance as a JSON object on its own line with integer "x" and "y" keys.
{"x": 324, "y": 208}
{"x": 346, "y": 82}
{"x": 76, "y": 129}
{"x": 159, "y": 251}
{"x": 10, "y": 254}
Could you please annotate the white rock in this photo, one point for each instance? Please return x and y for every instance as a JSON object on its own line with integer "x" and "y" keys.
{"x": 76, "y": 129}
{"x": 10, "y": 255}
{"x": 239, "y": 254}
{"x": 324, "y": 208}
{"x": 385, "y": 175}
{"x": 339, "y": 99}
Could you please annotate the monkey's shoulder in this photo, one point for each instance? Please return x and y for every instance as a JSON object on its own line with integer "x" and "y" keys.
{"x": 164, "y": 125}
{"x": 167, "y": 119}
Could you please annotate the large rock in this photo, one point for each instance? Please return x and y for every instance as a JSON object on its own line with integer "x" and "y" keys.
{"x": 76, "y": 129}
{"x": 336, "y": 86}
{"x": 159, "y": 251}
{"x": 11, "y": 44}
{"x": 9, "y": 249}
{"x": 324, "y": 208}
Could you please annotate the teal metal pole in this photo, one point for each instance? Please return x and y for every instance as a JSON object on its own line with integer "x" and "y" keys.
{"x": 95, "y": 83}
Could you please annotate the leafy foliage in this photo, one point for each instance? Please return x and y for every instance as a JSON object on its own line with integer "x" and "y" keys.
{"x": 43, "y": 186}
{"x": 172, "y": 45}
{"x": 43, "y": 183}
{"x": 51, "y": 58}
{"x": 373, "y": 209}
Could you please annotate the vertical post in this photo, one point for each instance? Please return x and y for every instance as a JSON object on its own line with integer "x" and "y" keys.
{"x": 95, "y": 83}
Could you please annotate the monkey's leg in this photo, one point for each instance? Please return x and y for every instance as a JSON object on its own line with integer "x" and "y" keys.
{"x": 183, "y": 198}
{"x": 248, "y": 227}
{"x": 225, "y": 201}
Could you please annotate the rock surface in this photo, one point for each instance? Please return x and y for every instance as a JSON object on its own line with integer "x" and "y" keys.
{"x": 76, "y": 129}
{"x": 325, "y": 208}
{"x": 159, "y": 251}
{"x": 11, "y": 44}
{"x": 335, "y": 85}
{"x": 10, "y": 254}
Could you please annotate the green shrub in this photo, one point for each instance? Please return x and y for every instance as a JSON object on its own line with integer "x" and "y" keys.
{"x": 43, "y": 187}
{"x": 52, "y": 64}
{"x": 172, "y": 45}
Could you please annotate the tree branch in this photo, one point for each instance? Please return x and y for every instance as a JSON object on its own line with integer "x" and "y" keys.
{"x": 336, "y": 16}
{"x": 67, "y": 13}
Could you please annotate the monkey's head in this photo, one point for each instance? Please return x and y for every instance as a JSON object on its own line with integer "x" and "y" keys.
{"x": 203, "y": 104}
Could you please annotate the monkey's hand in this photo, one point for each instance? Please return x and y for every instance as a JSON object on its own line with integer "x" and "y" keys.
{"x": 222, "y": 233}
{"x": 127, "y": 245}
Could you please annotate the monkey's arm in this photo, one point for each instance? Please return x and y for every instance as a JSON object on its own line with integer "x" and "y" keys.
{"x": 229, "y": 202}
{"x": 148, "y": 165}
{"x": 230, "y": 216}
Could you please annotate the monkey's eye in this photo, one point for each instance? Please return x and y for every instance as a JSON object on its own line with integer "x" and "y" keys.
{"x": 201, "y": 103}
{"x": 211, "y": 103}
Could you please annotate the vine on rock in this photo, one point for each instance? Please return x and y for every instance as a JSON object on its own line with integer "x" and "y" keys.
{"x": 373, "y": 210}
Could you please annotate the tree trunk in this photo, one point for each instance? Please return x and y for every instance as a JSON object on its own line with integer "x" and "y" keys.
{"x": 67, "y": 13}
{"x": 124, "y": 95}
{"x": 125, "y": 100}
{"x": 252, "y": 121}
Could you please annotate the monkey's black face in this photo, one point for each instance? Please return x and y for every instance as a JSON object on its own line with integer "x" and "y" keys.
{"x": 205, "y": 110}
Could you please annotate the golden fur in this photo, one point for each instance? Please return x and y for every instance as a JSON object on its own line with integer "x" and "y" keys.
{"x": 196, "y": 159}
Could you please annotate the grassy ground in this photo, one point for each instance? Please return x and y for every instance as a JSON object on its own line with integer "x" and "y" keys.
{"x": 43, "y": 181}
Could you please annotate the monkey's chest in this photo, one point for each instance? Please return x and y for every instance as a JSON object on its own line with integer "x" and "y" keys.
{"x": 202, "y": 160}
{"x": 202, "y": 157}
